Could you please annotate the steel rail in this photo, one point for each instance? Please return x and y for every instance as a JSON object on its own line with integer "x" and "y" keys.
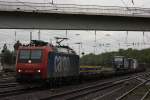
{"x": 130, "y": 91}
{"x": 24, "y": 89}
{"x": 145, "y": 95}
{"x": 115, "y": 90}
{"x": 90, "y": 89}
{"x": 100, "y": 97}
{"x": 102, "y": 88}
{"x": 6, "y": 85}
{"x": 18, "y": 90}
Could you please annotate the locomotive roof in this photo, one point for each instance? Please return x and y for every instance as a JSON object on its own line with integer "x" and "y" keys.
{"x": 61, "y": 49}
{"x": 38, "y": 44}
{"x": 32, "y": 47}
{"x": 64, "y": 49}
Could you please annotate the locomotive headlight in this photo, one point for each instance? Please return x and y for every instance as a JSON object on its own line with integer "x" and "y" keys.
{"x": 19, "y": 70}
{"x": 29, "y": 61}
{"x": 39, "y": 70}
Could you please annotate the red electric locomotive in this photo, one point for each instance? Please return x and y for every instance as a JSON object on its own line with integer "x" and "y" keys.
{"x": 46, "y": 62}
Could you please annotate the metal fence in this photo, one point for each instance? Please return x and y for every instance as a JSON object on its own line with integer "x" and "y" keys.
{"x": 74, "y": 9}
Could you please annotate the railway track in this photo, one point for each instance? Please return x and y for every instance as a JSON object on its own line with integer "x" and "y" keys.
{"x": 83, "y": 92}
{"x": 7, "y": 74}
{"x": 131, "y": 93}
{"x": 15, "y": 89}
{"x": 6, "y": 85}
{"x": 121, "y": 93}
{"x": 145, "y": 95}
{"x": 7, "y": 77}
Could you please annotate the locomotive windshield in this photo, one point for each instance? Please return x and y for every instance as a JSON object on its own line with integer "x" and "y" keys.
{"x": 34, "y": 55}
{"x": 118, "y": 59}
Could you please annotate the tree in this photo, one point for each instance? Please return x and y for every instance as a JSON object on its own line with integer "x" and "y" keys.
{"x": 105, "y": 59}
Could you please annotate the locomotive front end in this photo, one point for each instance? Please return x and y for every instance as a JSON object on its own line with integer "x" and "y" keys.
{"x": 29, "y": 64}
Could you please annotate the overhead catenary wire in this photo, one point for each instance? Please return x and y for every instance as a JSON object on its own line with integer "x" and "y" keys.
{"x": 125, "y": 4}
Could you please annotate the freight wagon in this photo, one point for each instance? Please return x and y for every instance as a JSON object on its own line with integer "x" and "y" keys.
{"x": 121, "y": 63}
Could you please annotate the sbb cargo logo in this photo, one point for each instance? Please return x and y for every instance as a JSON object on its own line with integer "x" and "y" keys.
{"x": 61, "y": 63}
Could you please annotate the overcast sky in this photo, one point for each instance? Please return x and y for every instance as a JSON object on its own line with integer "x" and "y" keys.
{"x": 113, "y": 38}
{"x": 105, "y": 40}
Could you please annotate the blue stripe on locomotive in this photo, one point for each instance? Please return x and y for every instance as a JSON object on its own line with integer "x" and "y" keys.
{"x": 65, "y": 65}
{"x": 51, "y": 57}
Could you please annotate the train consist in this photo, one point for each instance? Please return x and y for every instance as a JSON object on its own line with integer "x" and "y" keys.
{"x": 120, "y": 65}
{"x": 123, "y": 64}
{"x": 42, "y": 61}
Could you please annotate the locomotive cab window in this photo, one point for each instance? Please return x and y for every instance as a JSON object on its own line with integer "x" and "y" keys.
{"x": 118, "y": 59}
{"x": 34, "y": 55}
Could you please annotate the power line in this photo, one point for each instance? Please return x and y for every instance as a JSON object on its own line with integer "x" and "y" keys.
{"x": 125, "y": 4}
